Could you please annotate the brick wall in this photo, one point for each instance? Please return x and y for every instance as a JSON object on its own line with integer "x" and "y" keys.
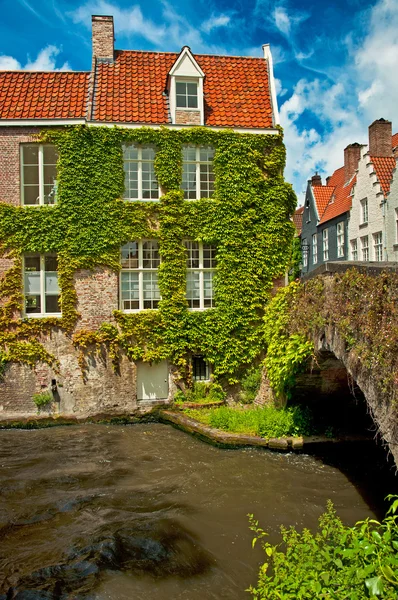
{"x": 10, "y": 140}
{"x": 187, "y": 117}
{"x": 97, "y": 293}
{"x": 103, "y": 37}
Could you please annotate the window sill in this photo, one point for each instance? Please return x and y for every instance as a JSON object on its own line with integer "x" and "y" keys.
{"x": 135, "y": 310}
{"x": 362, "y": 225}
{"x": 37, "y": 205}
{"x": 142, "y": 199}
{"x": 42, "y": 315}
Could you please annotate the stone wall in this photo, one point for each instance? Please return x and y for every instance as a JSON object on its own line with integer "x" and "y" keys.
{"x": 187, "y": 117}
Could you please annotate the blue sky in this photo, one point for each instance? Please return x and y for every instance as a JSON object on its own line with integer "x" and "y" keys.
{"x": 336, "y": 64}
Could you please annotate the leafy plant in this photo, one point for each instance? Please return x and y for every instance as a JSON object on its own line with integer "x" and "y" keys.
{"x": 250, "y": 385}
{"x": 201, "y": 392}
{"x": 42, "y": 399}
{"x": 334, "y": 563}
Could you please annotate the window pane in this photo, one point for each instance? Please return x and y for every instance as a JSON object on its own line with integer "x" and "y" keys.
{"x": 206, "y": 154}
{"x": 192, "y": 89}
{"x": 130, "y": 256}
{"x": 150, "y": 255}
{"x": 189, "y": 153}
{"x": 32, "y": 263}
{"x": 49, "y": 174}
{"x": 189, "y": 181}
{"x": 31, "y": 194}
{"x": 149, "y": 184}
{"x": 50, "y": 193}
{"x": 148, "y": 153}
{"x": 150, "y": 290}
{"x": 208, "y": 291}
{"x": 131, "y": 179}
{"x": 50, "y": 155}
{"x": 32, "y": 304}
{"x": 32, "y": 283}
{"x": 181, "y": 88}
{"x": 130, "y": 152}
{"x": 31, "y": 174}
{"x": 51, "y": 283}
{"x": 193, "y": 254}
{"x": 181, "y": 101}
{"x": 52, "y": 304}
{"x": 130, "y": 290}
{"x": 192, "y": 102}
{"x": 200, "y": 368}
{"x": 193, "y": 291}
{"x": 30, "y": 154}
{"x": 209, "y": 257}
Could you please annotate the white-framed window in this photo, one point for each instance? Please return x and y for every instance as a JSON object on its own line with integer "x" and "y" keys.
{"x": 139, "y": 173}
{"x": 41, "y": 290}
{"x": 38, "y": 174}
{"x": 354, "y": 249}
{"x": 200, "y": 368}
{"x": 314, "y": 249}
{"x": 201, "y": 268}
{"x": 364, "y": 211}
{"x": 378, "y": 246}
{"x": 186, "y": 94}
{"x": 139, "y": 275}
{"x": 365, "y": 248}
{"x": 340, "y": 239}
{"x": 197, "y": 172}
{"x": 325, "y": 244}
{"x": 304, "y": 251}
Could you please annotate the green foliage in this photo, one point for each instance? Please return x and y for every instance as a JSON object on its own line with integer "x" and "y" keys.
{"x": 247, "y": 219}
{"x": 265, "y": 422}
{"x": 250, "y": 385}
{"x": 334, "y": 563}
{"x": 42, "y": 399}
{"x": 202, "y": 392}
{"x": 295, "y": 260}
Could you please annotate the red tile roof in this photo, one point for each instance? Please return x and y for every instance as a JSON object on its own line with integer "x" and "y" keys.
{"x": 34, "y": 95}
{"x": 395, "y": 140}
{"x": 132, "y": 89}
{"x": 341, "y": 200}
{"x": 298, "y": 219}
{"x": 322, "y": 195}
{"x": 384, "y": 167}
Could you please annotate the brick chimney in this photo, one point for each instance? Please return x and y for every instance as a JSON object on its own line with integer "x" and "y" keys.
{"x": 352, "y": 154}
{"x": 316, "y": 179}
{"x": 103, "y": 37}
{"x": 380, "y": 134}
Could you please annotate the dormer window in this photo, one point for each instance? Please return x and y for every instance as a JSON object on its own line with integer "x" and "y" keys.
{"x": 186, "y": 94}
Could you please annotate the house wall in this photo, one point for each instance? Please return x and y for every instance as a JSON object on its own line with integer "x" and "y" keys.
{"x": 391, "y": 219}
{"x": 331, "y": 226}
{"x": 367, "y": 186}
{"x": 309, "y": 226}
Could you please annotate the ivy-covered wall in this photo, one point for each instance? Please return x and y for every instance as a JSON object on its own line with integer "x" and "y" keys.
{"x": 247, "y": 219}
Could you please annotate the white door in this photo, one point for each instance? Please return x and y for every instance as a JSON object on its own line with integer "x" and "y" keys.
{"x": 152, "y": 381}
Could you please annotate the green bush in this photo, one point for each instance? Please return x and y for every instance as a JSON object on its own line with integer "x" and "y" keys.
{"x": 250, "y": 385}
{"x": 335, "y": 563}
{"x": 265, "y": 422}
{"x": 42, "y": 399}
{"x": 202, "y": 392}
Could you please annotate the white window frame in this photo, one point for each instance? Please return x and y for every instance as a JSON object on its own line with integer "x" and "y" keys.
{"x": 41, "y": 176}
{"x": 364, "y": 211}
{"x": 139, "y": 162}
{"x": 325, "y": 244}
{"x": 193, "y": 81}
{"x": 201, "y": 270}
{"x": 378, "y": 246}
{"x": 304, "y": 252}
{"x": 340, "y": 239}
{"x": 197, "y": 162}
{"x": 43, "y": 294}
{"x": 140, "y": 270}
{"x": 365, "y": 248}
{"x": 354, "y": 249}
{"x": 314, "y": 248}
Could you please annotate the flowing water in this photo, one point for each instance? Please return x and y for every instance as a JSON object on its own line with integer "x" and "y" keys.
{"x": 148, "y": 512}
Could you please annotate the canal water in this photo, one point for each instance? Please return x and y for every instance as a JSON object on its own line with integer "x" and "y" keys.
{"x": 147, "y": 512}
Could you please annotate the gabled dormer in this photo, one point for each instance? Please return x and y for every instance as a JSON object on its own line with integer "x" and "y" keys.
{"x": 186, "y": 90}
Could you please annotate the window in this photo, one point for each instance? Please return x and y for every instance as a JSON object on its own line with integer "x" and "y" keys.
{"x": 365, "y": 248}
{"x": 139, "y": 275}
{"x": 38, "y": 174}
{"x": 314, "y": 249}
{"x": 340, "y": 239}
{"x": 41, "y": 289}
{"x": 139, "y": 173}
{"x": 364, "y": 211}
{"x": 186, "y": 94}
{"x": 201, "y": 265}
{"x": 197, "y": 172}
{"x": 378, "y": 246}
{"x": 304, "y": 250}
{"x": 354, "y": 250}
{"x": 200, "y": 369}
{"x": 325, "y": 244}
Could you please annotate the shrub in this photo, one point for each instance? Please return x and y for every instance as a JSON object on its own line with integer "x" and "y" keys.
{"x": 42, "y": 399}
{"x": 202, "y": 392}
{"x": 250, "y": 385}
{"x": 335, "y": 563}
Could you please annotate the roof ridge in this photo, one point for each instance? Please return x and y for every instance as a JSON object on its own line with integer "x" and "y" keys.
{"x": 193, "y": 53}
{"x": 42, "y": 72}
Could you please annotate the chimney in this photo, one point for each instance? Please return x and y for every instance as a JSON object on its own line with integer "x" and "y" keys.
{"x": 103, "y": 38}
{"x": 380, "y": 135}
{"x": 352, "y": 154}
{"x": 328, "y": 179}
{"x": 316, "y": 179}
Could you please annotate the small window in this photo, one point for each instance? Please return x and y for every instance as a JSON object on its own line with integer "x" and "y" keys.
{"x": 325, "y": 244}
{"x": 340, "y": 239}
{"x": 38, "y": 174}
{"x": 354, "y": 250}
{"x": 139, "y": 173}
{"x": 305, "y": 249}
{"x": 314, "y": 249}
{"x": 197, "y": 172}
{"x": 139, "y": 275}
{"x": 364, "y": 211}
{"x": 201, "y": 268}
{"x": 365, "y": 248}
{"x": 41, "y": 291}
{"x": 200, "y": 368}
{"x": 186, "y": 94}
{"x": 378, "y": 246}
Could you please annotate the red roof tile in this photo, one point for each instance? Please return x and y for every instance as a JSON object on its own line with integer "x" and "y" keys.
{"x": 322, "y": 195}
{"x": 34, "y": 95}
{"x": 298, "y": 219}
{"x": 395, "y": 140}
{"x": 132, "y": 89}
{"x": 340, "y": 201}
{"x": 384, "y": 167}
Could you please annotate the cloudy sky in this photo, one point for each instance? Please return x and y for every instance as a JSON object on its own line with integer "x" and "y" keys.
{"x": 336, "y": 63}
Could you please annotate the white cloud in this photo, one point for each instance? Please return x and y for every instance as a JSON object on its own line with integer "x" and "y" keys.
{"x": 45, "y": 61}
{"x": 214, "y": 22}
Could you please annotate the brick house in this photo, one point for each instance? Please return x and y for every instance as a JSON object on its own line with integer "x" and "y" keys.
{"x": 140, "y": 93}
